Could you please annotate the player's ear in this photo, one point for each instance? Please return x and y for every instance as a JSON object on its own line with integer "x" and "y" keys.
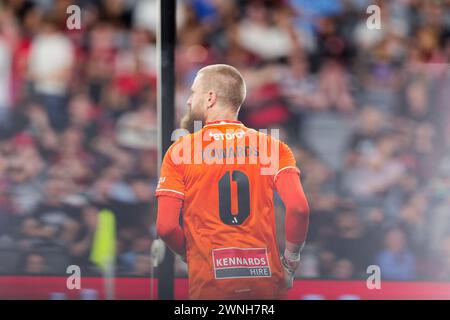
{"x": 212, "y": 97}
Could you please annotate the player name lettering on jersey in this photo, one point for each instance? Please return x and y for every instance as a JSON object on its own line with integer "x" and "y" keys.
{"x": 232, "y": 152}
{"x": 212, "y": 146}
{"x": 240, "y": 263}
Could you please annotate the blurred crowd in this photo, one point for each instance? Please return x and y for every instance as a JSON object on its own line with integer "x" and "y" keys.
{"x": 366, "y": 112}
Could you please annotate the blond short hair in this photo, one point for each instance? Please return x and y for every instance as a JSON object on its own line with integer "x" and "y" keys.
{"x": 226, "y": 81}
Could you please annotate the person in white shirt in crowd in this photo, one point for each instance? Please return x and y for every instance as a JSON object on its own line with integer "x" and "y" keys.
{"x": 50, "y": 67}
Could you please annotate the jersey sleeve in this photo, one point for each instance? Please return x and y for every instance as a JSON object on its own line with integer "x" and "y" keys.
{"x": 287, "y": 161}
{"x": 171, "y": 181}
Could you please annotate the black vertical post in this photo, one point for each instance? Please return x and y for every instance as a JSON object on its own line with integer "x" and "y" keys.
{"x": 166, "y": 118}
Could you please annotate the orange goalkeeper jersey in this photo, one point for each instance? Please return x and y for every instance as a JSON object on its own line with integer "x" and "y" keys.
{"x": 225, "y": 173}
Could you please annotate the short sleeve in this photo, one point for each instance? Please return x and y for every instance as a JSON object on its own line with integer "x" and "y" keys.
{"x": 287, "y": 161}
{"x": 171, "y": 182}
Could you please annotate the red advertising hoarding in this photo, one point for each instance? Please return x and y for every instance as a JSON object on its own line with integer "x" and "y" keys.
{"x": 34, "y": 287}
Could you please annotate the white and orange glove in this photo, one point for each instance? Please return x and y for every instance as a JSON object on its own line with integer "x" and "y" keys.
{"x": 290, "y": 261}
{"x": 158, "y": 252}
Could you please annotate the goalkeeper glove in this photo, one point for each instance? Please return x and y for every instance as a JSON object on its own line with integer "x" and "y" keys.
{"x": 158, "y": 252}
{"x": 290, "y": 262}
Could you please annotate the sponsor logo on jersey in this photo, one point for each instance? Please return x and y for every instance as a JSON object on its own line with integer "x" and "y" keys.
{"x": 239, "y": 134}
{"x": 232, "y": 263}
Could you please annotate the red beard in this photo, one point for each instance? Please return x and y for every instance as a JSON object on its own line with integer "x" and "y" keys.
{"x": 187, "y": 122}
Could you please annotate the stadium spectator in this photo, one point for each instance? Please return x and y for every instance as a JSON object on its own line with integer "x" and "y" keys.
{"x": 396, "y": 261}
{"x": 35, "y": 264}
{"x": 51, "y": 80}
{"x": 444, "y": 260}
{"x": 5, "y": 81}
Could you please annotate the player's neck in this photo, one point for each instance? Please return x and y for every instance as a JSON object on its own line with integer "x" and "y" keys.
{"x": 224, "y": 115}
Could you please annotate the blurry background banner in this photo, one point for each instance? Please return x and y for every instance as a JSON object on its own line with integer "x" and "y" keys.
{"x": 26, "y": 287}
{"x": 103, "y": 252}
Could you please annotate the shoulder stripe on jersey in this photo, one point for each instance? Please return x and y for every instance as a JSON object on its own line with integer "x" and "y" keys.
{"x": 279, "y": 171}
{"x": 170, "y": 190}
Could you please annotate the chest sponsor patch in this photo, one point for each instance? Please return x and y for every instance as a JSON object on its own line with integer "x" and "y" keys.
{"x": 230, "y": 263}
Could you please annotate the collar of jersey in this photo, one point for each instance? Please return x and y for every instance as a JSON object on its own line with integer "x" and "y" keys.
{"x": 222, "y": 122}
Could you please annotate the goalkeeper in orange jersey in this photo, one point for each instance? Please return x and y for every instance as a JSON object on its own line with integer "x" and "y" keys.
{"x": 222, "y": 179}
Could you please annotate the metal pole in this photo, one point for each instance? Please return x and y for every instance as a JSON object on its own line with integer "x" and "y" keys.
{"x": 166, "y": 118}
